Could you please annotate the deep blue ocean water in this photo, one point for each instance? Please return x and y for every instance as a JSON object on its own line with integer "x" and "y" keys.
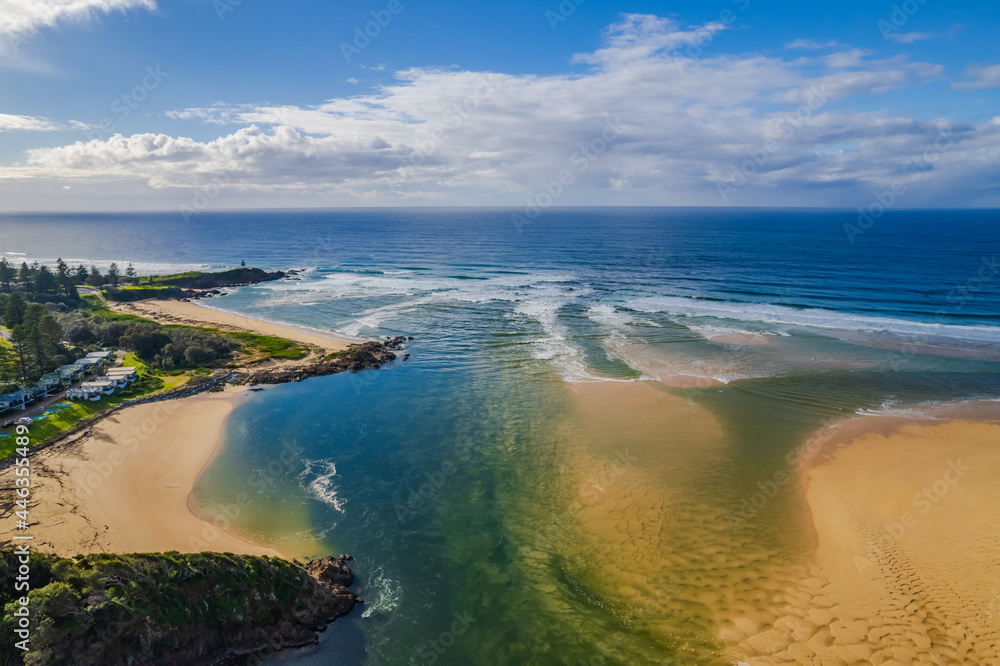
{"x": 434, "y": 472}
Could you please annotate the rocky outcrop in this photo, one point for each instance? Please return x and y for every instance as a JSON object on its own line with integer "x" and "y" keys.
{"x": 363, "y": 356}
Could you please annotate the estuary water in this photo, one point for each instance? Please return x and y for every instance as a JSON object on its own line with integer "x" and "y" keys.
{"x": 585, "y": 459}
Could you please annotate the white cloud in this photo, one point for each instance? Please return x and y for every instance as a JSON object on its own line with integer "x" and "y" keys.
{"x": 979, "y": 78}
{"x": 19, "y": 17}
{"x": 910, "y": 37}
{"x": 810, "y": 45}
{"x": 9, "y": 123}
{"x": 464, "y": 137}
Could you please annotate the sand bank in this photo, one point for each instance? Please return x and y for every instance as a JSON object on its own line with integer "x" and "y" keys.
{"x": 905, "y": 571}
{"x": 736, "y": 338}
{"x": 190, "y": 314}
{"x": 124, "y": 485}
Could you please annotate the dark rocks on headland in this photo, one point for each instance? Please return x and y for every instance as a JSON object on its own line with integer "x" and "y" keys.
{"x": 363, "y": 356}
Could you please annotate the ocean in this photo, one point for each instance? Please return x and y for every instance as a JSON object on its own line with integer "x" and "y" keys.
{"x": 560, "y": 472}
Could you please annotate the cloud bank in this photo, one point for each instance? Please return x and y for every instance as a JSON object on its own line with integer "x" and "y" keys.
{"x": 693, "y": 128}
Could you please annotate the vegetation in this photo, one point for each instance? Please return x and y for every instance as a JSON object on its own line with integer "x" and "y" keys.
{"x": 52, "y": 425}
{"x": 138, "y": 293}
{"x": 48, "y": 324}
{"x": 270, "y": 346}
{"x": 165, "y": 608}
{"x": 230, "y": 278}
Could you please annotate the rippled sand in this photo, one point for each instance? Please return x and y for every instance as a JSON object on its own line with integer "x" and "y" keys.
{"x": 907, "y": 563}
{"x": 816, "y": 576}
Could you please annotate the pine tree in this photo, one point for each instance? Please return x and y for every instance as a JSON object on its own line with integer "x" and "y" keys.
{"x": 6, "y": 274}
{"x": 13, "y": 314}
{"x": 113, "y": 274}
{"x": 63, "y": 277}
{"x": 45, "y": 281}
{"x": 95, "y": 279}
{"x": 19, "y": 341}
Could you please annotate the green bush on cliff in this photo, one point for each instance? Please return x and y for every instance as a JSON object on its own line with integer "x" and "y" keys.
{"x": 110, "y": 609}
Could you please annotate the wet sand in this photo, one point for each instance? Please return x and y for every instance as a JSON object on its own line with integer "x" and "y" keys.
{"x": 853, "y": 563}
{"x": 124, "y": 485}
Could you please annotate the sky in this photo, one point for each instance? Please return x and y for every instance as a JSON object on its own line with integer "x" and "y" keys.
{"x": 193, "y": 105}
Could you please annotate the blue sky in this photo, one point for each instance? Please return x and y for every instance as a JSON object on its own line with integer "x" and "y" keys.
{"x": 248, "y": 103}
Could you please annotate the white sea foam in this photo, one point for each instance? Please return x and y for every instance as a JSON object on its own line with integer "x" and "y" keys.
{"x": 813, "y": 318}
{"x": 319, "y": 480}
{"x": 382, "y": 594}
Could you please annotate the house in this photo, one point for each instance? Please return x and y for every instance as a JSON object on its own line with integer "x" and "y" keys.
{"x": 100, "y": 355}
{"x": 87, "y": 363}
{"x": 128, "y": 375}
{"x": 49, "y": 383}
{"x": 17, "y": 399}
{"x": 103, "y": 386}
{"x": 83, "y": 393}
{"x": 70, "y": 373}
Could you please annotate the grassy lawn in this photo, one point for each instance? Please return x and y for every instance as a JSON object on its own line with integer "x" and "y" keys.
{"x": 94, "y": 305}
{"x": 267, "y": 345}
{"x": 54, "y": 424}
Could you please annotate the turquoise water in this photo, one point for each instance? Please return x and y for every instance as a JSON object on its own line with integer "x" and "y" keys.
{"x": 454, "y": 477}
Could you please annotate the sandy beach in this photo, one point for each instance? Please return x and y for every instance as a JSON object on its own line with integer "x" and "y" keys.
{"x": 905, "y": 571}
{"x": 124, "y": 485}
{"x": 190, "y": 314}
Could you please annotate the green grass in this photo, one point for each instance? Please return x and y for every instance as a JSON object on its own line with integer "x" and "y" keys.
{"x": 279, "y": 348}
{"x": 176, "y": 276}
{"x": 46, "y": 429}
{"x": 94, "y": 305}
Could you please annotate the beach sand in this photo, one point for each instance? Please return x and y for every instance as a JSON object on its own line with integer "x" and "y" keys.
{"x": 848, "y": 566}
{"x": 124, "y": 485}
{"x": 906, "y": 569}
{"x": 190, "y": 314}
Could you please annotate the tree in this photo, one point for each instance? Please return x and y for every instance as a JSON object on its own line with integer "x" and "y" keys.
{"x": 19, "y": 341}
{"x": 130, "y": 272}
{"x": 243, "y": 263}
{"x": 8, "y": 365}
{"x": 113, "y": 274}
{"x": 199, "y": 356}
{"x": 40, "y": 333}
{"x": 14, "y": 309}
{"x": 81, "y": 274}
{"x": 146, "y": 339}
{"x": 95, "y": 279}
{"x": 24, "y": 275}
{"x": 63, "y": 277}
{"x": 45, "y": 281}
{"x": 6, "y": 274}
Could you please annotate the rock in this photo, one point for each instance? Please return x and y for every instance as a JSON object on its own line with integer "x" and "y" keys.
{"x": 332, "y": 570}
{"x": 364, "y": 356}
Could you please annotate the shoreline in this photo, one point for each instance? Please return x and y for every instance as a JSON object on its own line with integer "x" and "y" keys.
{"x": 902, "y": 569}
{"x": 189, "y": 313}
{"x": 124, "y": 485}
{"x": 125, "y": 482}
